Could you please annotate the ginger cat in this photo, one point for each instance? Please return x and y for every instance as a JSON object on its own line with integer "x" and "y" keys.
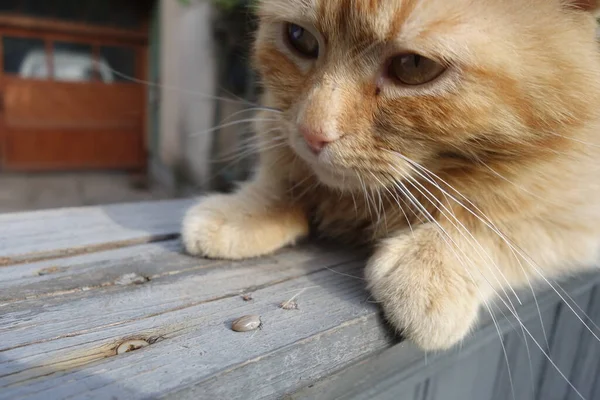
{"x": 459, "y": 137}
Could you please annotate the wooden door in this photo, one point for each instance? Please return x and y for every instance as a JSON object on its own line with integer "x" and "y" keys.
{"x": 67, "y": 95}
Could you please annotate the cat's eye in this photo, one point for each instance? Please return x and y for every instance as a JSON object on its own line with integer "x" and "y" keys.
{"x": 302, "y": 41}
{"x": 414, "y": 69}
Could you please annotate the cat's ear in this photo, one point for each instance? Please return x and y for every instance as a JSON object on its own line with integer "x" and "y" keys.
{"x": 586, "y": 5}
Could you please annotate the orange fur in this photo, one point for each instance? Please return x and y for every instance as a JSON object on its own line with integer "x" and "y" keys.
{"x": 506, "y": 131}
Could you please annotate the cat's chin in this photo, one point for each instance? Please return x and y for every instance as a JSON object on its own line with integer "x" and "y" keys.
{"x": 341, "y": 180}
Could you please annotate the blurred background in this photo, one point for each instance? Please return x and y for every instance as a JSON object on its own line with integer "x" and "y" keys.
{"x": 105, "y": 101}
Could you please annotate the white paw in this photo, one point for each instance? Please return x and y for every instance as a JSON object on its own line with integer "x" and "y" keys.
{"x": 240, "y": 226}
{"x": 422, "y": 293}
{"x": 213, "y": 228}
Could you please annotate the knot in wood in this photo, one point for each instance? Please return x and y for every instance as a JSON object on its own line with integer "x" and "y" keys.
{"x": 131, "y": 345}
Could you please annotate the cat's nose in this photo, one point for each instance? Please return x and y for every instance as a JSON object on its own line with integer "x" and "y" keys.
{"x": 316, "y": 139}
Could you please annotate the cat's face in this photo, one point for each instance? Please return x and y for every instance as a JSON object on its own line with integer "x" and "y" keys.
{"x": 369, "y": 86}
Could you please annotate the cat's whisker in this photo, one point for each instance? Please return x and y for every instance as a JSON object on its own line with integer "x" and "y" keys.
{"x": 308, "y": 189}
{"x": 573, "y": 139}
{"x": 364, "y": 190}
{"x": 527, "y": 259}
{"x": 255, "y": 143}
{"x": 517, "y": 185}
{"x": 298, "y": 184}
{"x": 355, "y": 205}
{"x": 525, "y": 339}
{"x": 262, "y": 139}
{"x": 395, "y": 200}
{"x": 242, "y": 156}
{"x": 497, "y": 268}
{"x": 244, "y": 111}
{"x": 544, "y": 352}
{"x": 447, "y": 211}
{"x": 497, "y": 328}
{"x": 412, "y": 181}
{"x": 416, "y": 167}
{"x": 182, "y": 90}
{"x": 379, "y": 210}
{"x": 501, "y": 339}
{"x": 577, "y": 305}
{"x": 507, "y": 305}
{"x": 233, "y": 123}
{"x": 493, "y": 227}
{"x": 345, "y": 274}
{"x": 407, "y": 205}
{"x": 250, "y": 151}
{"x": 470, "y": 243}
{"x": 363, "y": 51}
{"x": 342, "y": 189}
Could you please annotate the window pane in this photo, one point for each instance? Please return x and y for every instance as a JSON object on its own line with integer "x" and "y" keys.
{"x": 98, "y": 12}
{"x": 128, "y": 15}
{"x": 73, "y": 62}
{"x": 9, "y": 5}
{"x": 38, "y": 8}
{"x": 69, "y": 10}
{"x": 25, "y": 57}
{"x": 106, "y": 13}
{"x": 120, "y": 59}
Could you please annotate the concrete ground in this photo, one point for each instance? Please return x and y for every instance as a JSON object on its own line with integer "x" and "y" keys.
{"x": 23, "y": 192}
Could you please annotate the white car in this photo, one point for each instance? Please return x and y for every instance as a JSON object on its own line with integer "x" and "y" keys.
{"x": 68, "y": 66}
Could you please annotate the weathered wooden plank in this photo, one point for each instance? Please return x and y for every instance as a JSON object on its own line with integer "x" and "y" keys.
{"x": 60, "y": 316}
{"x": 196, "y": 345}
{"x": 96, "y": 270}
{"x": 49, "y": 234}
{"x": 399, "y": 369}
{"x": 564, "y": 342}
{"x": 139, "y": 264}
{"x": 187, "y": 334}
{"x": 290, "y": 368}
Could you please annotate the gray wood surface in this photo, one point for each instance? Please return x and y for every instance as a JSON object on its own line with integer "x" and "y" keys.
{"x": 114, "y": 276}
{"x": 56, "y": 233}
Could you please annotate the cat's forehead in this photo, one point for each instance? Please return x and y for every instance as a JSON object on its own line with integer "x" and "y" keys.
{"x": 370, "y": 19}
{"x": 433, "y": 27}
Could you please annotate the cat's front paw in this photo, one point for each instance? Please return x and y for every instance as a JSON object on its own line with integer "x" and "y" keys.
{"x": 425, "y": 292}
{"x": 236, "y": 227}
{"x": 212, "y": 228}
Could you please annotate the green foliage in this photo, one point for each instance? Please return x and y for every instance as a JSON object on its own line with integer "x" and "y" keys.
{"x": 224, "y": 5}
{"x": 228, "y": 5}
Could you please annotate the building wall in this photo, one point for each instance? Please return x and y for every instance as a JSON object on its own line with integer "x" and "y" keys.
{"x": 188, "y": 80}
{"x": 199, "y": 77}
